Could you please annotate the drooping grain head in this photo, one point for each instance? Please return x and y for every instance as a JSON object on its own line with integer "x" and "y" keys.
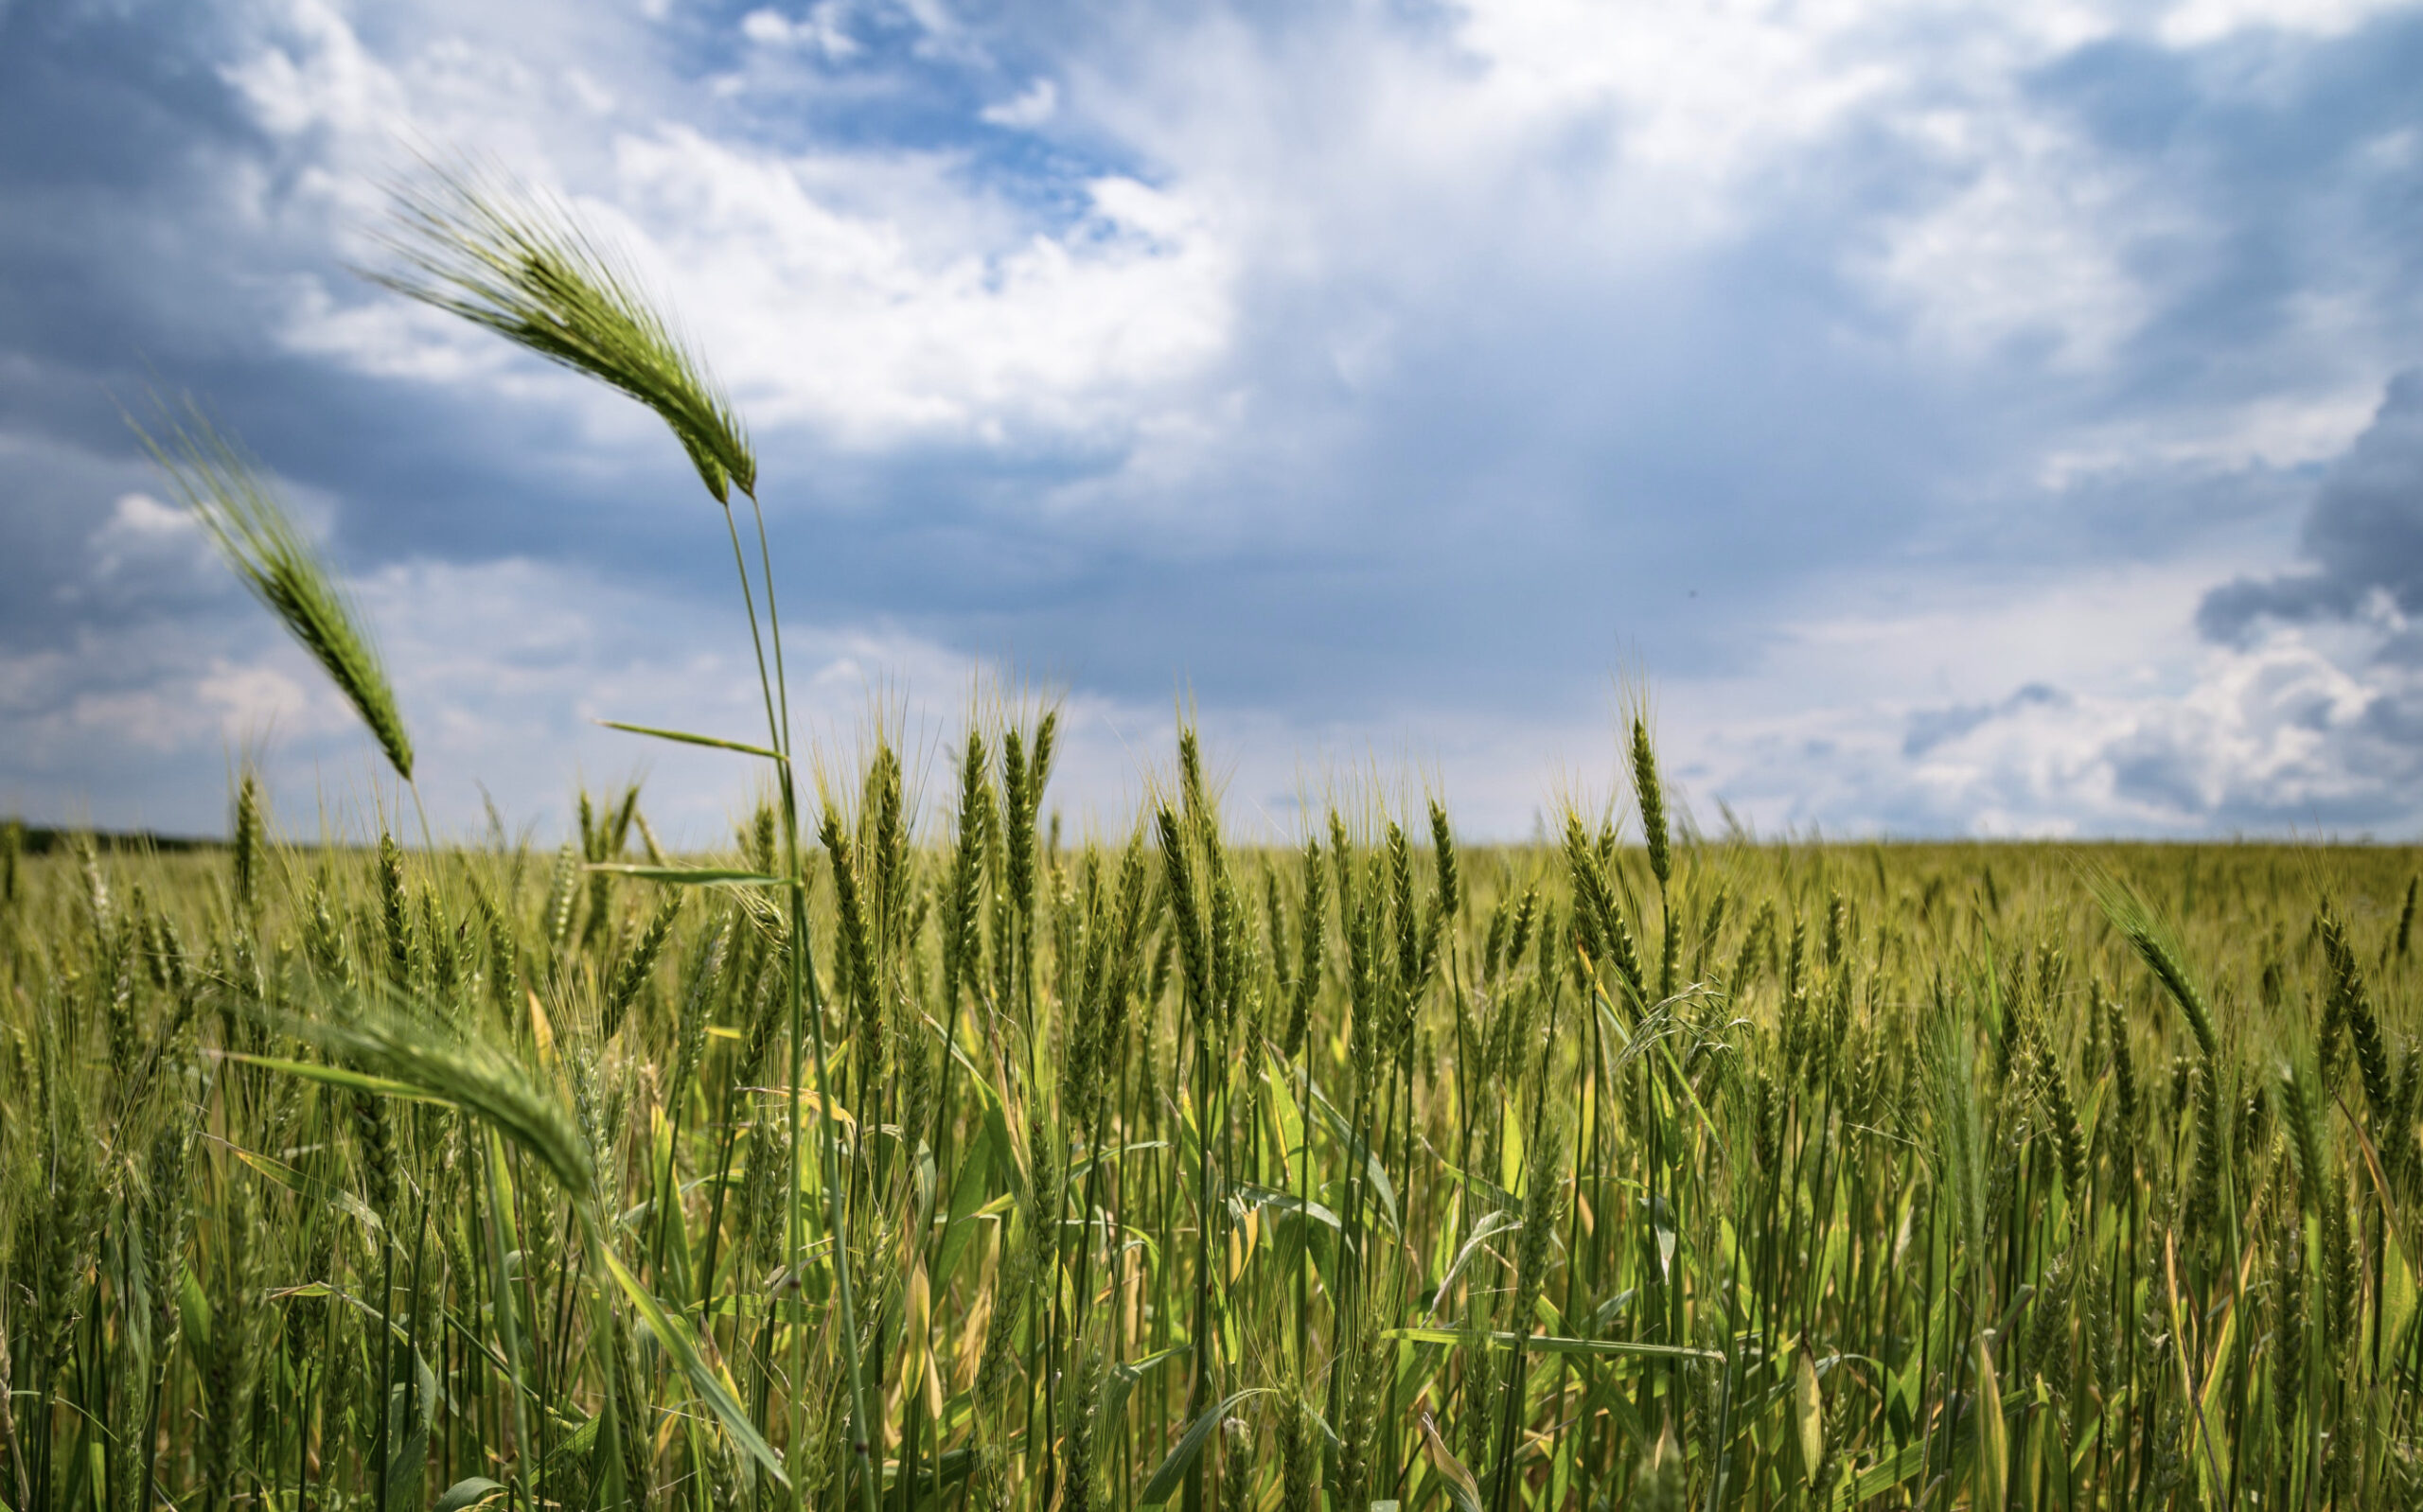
{"x": 520, "y": 264}
{"x": 257, "y": 537}
{"x": 2138, "y": 924}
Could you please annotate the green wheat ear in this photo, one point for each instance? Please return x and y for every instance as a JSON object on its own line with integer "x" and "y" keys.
{"x": 227, "y": 495}
{"x": 2144, "y": 929}
{"x": 513, "y": 261}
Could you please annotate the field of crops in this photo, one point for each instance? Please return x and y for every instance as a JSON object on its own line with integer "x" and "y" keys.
{"x": 910, "y": 1155}
{"x": 1687, "y": 1174}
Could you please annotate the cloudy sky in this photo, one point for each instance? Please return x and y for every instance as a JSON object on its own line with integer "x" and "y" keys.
{"x": 1959, "y": 418}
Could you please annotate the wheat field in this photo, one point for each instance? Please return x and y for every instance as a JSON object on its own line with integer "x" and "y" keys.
{"x": 906, "y": 1154}
{"x": 1700, "y": 1173}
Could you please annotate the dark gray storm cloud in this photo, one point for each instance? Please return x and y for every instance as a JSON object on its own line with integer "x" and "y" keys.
{"x": 2363, "y": 538}
{"x": 1931, "y": 728}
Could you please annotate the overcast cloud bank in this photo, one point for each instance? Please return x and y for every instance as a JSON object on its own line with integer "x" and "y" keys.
{"x": 1967, "y": 419}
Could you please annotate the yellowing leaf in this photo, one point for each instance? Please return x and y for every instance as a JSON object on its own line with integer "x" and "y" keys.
{"x": 542, "y": 1032}
{"x": 1463, "y": 1492}
{"x": 1807, "y": 1413}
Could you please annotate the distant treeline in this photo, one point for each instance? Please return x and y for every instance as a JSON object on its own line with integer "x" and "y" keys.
{"x": 40, "y": 839}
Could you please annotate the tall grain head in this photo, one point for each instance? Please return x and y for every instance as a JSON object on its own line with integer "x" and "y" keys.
{"x": 247, "y": 847}
{"x": 1651, "y": 795}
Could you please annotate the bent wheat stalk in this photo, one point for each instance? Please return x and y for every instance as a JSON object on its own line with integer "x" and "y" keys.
{"x": 254, "y": 532}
